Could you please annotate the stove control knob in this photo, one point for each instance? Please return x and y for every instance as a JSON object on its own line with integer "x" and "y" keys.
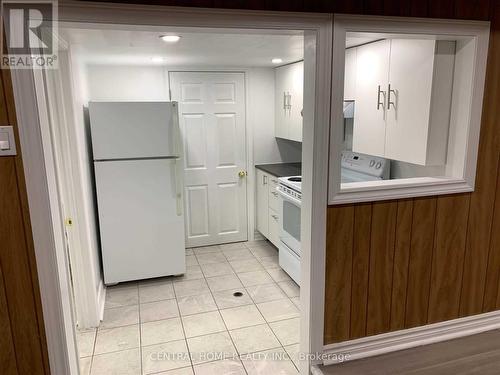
{"x": 379, "y": 164}
{"x": 372, "y": 163}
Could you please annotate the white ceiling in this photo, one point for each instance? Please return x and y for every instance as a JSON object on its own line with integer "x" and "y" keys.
{"x": 208, "y": 48}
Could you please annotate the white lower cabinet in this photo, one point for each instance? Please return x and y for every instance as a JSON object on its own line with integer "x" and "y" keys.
{"x": 267, "y": 206}
{"x": 274, "y": 227}
{"x": 262, "y": 206}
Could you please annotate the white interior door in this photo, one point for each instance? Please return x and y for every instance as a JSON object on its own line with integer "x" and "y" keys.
{"x": 212, "y": 121}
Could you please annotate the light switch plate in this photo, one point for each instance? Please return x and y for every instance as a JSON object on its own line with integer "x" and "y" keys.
{"x": 7, "y": 137}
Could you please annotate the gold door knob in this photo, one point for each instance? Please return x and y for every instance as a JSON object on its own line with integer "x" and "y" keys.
{"x": 242, "y": 174}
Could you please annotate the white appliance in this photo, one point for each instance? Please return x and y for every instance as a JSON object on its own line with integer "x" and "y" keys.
{"x": 137, "y": 161}
{"x": 289, "y": 189}
{"x": 356, "y": 167}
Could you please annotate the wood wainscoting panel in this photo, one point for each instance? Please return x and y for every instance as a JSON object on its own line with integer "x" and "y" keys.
{"x": 17, "y": 262}
{"x": 448, "y": 259}
{"x": 473, "y": 9}
{"x": 492, "y": 291}
{"x": 442, "y": 8}
{"x": 7, "y": 350}
{"x": 401, "y": 262}
{"x": 360, "y": 269}
{"x": 482, "y": 200}
{"x": 419, "y": 269}
{"x": 17, "y": 276}
{"x": 338, "y": 275}
{"x": 383, "y": 233}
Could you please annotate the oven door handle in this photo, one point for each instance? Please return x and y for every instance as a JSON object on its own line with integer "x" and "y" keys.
{"x": 288, "y": 198}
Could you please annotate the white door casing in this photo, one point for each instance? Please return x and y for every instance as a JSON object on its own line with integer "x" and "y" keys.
{"x": 212, "y": 121}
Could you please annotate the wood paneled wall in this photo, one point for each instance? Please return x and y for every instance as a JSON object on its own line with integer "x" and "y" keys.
{"x": 22, "y": 336}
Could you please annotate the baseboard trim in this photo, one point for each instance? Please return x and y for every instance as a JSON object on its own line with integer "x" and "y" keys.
{"x": 410, "y": 338}
{"x": 258, "y": 236}
{"x": 101, "y": 300}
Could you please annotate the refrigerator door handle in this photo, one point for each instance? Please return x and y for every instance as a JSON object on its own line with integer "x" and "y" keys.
{"x": 178, "y": 164}
{"x": 178, "y": 186}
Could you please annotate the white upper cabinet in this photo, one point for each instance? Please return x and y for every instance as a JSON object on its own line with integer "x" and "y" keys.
{"x": 421, "y": 76}
{"x": 289, "y": 83}
{"x": 372, "y": 72}
{"x": 350, "y": 74}
{"x": 280, "y": 112}
{"x": 403, "y": 99}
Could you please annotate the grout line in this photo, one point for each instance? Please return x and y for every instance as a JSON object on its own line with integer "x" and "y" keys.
{"x": 116, "y": 351}
{"x": 227, "y": 330}
{"x": 183, "y": 329}
{"x": 218, "y": 309}
{"x": 93, "y": 350}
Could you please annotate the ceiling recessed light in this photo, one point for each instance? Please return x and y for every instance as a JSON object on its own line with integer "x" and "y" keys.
{"x": 170, "y": 38}
{"x": 276, "y": 60}
{"x": 157, "y": 59}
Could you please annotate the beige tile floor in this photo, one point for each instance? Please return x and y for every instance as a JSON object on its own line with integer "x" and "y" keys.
{"x": 193, "y": 324}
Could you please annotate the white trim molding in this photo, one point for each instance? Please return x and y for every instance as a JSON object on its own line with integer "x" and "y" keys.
{"x": 101, "y": 300}
{"x": 410, "y": 338}
{"x": 466, "y": 108}
{"x": 52, "y": 262}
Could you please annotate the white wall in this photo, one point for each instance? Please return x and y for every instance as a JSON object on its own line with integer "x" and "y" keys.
{"x": 267, "y": 148}
{"x": 107, "y": 82}
{"x": 127, "y": 83}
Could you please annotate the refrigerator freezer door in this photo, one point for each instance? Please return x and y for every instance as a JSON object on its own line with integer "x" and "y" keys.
{"x": 142, "y": 232}
{"x": 129, "y": 130}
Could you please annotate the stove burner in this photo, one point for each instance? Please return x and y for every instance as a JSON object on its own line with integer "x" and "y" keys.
{"x": 295, "y": 179}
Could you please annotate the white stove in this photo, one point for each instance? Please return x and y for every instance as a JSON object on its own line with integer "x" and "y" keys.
{"x": 293, "y": 182}
{"x": 289, "y": 189}
{"x": 358, "y": 167}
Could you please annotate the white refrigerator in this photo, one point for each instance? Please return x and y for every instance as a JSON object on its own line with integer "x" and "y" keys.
{"x": 137, "y": 153}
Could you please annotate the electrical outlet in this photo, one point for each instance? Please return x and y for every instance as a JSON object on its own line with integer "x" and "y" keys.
{"x": 7, "y": 141}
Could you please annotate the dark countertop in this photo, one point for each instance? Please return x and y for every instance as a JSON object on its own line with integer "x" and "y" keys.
{"x": 281, "y": 169}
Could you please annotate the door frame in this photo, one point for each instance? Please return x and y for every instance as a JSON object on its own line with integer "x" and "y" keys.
{"x": 52, "y": 264}
{"x": 251, "y": 175}
{"x": 250, "y": 193}
{"x": 89, "y": 300}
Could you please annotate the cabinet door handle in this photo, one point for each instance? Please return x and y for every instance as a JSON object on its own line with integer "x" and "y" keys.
{"x": 274, "y": 193}
{"x": 389, "y": 102}
{"x": 274, "y": 217}
{"x": 274, "y": 181}
{"x": 264, "y": 180}
{"x": 284, "y": 100}
{"x": 378, "y": 98}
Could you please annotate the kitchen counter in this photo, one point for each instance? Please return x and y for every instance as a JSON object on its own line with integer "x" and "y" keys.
{"x": 281, "y": 169}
